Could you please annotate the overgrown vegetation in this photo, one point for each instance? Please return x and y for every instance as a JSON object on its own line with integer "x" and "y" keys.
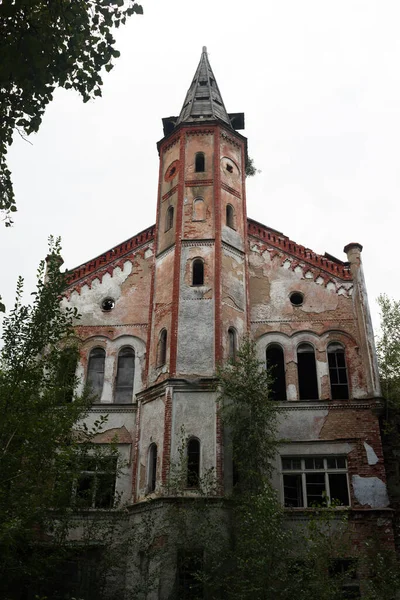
{"x": 44, "y": 45}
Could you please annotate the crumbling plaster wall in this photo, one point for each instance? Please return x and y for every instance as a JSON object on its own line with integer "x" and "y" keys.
{"x": 151, "y": 431}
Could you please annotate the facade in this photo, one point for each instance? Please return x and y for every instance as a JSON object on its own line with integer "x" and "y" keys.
{"x": 162, "y": 309}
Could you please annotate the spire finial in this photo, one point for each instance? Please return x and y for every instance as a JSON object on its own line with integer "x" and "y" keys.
{"x": 204, "y": 49}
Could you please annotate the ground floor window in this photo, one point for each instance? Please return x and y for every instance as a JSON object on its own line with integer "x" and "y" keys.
{"x": 315, "y": 481}
{"x": 95, "y": 484}
{"x": 189, "y": 567}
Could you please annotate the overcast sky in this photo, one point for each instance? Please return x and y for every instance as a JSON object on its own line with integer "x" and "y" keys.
{"x": 319, "y": 82}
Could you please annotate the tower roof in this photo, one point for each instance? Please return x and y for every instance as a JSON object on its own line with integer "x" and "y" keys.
{"x": 203, "y": 100}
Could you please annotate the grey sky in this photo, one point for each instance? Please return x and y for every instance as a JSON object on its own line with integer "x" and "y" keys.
{"x": 319, "y": 82}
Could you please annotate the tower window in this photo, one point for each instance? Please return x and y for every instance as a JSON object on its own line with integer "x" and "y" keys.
{"x": 229, "y": 167}
{"x": 198, "y": 210}
{"x": 125, "y": 376}
{"x": 162, "y": 348}
{"x": 276, "y": 367}
{"x": 152, "y": 468}
{"x": 307, "y": 372}
{"x": 200, "y": 162}
{"x": 169, "y": 218}
{"x": 338, "y": 372}
{"x": 198, "y": 272}
{"x": 232, "y": 339}
{"x": 95, "y": 374}
{"x": 193, "y": 463}
{"x": 230, "y": 216}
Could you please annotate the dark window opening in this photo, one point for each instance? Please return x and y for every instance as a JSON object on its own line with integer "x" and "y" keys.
{"x": 296, "y": 298}
{"x": 190, "y": 565}
{"x": 202, "y": 98}
{"x": 345, "y": 569}
{"x": 202, "y": 83}
{"x": 108, "y": 304}
{"x": 193, "y": 463}
{"x": 230, "y": 216}
{"x": 125, "y": 376}
{"x": 293, "y": 491}
{"x": 162, "y": 348}
{"x": 152, "y": 477}
{"x": 229, "y": 168}
{"x": 169, "y": 218}
{"x": 307, "y": 372}
{"x": 276, "y": 368}
{"x": 198, "y": 272}
{"x": 66, "y": 374}
{"x": 200, "y": 162}
{"x": 232, "y": 339}
{"x": 95, "y": 487}
{"x": 95, "y": 376}
{"x": 338, "y": 489}
{"x": 172, "y": 172}
{"x": 338, "y": 372}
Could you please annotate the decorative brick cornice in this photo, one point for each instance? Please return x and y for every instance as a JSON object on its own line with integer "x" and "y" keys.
{"x": 230, "y": 139}
{"x": 194, "y": 243}
{"x": 367, "y": 404}
{"x": 198, "y": 182}
{"x": 279, "y": 240}
{"x": 231, "y": 190}
{"x": 170, "y": 193}
{"x": 233, "y": 250}
{"x": 200, "y": 131}
{"x": 171, "y": 143}
{"x": 310, "y": 320}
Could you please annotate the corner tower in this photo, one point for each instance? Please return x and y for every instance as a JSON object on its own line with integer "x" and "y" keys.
{"x": 199, "y": 298}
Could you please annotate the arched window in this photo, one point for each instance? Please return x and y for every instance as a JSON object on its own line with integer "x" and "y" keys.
{"x": 276, "y": 366}
{"x": 198, "y": 272}
{"x": 152, "y": 468}
{"x": 200, "y": 162}
{"x": 95, "y": 374}
{"x": 232, "y": 340}
{"x": 199, "y": 210}
{"x": 307, "y": 372}
{"x": 125, "y": 376}
{"x": 162, "y": 348}
{"x": 230, "y": 216}
{"x": 66, "y": 369}
{"x": 169, "y": 218}
{"x": 338, "y": 372}
{"x": 193, "y": 463}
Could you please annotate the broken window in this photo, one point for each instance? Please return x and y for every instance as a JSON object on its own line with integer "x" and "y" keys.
{"x": 198, "y": 272}
{"x": 95, "y": 374}
{"x": 198, "y": 210}
{"x": 193, "y": 463}
{"x": 169, "y": 218}
{"x": 152, "y": 468}
{"x": 229, "y": 167}
{"x": 162, "y": 348}
{"x": 125, "y": 376}
{"x": 315, "y": 481}
{"x": 232, "y": 339}
{"x": 95, "y": 485}
{"x": 338, "y": 372}
{"x": 276, "y": 367}
{"x": 307, "y": 372}
{"x": 199, "y": 162}
{"x": 230, "y": 216}
{"x": 190, "y": 565}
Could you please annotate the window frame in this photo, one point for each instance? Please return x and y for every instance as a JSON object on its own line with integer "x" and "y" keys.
{"x": 230, "y": 216}
{"x": 337, "y": 370}
{"x": 303, "y": 471}
{"x": 199, "y": 201}
{"x": 317, "y": 382}
{"x": 162, "y": 347}
{"x": 98, "y": 394}
{"x": 199, "y": 156}
{"x": 116, "y": 376}
{"x": 152, "y": 455}
{"x": 93, "y": 475}
{"x": 281, "y": 348}
{"x": 191, "y": 483}
{"x": 232, "y": 344}
{"x": 197, "y": 261}
{"x": 169, "y": 218}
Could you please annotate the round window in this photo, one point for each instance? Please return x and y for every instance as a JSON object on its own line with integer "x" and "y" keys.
{"x": 296, "y": 298}
{"x": 108, "y": 304}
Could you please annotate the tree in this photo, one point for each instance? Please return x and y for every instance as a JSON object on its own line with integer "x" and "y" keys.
{"x": 45, "y": 44}
{"x": 42, "y": 445}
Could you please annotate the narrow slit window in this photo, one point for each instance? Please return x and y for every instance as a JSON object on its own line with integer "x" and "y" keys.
{"x": 169, "y": 218}
{"x": 230, "y": 216}
{"x": 307, "y": 372}
{"x": 162, "y": 348}
{"x": 198, "y": 272}
{"x": 125, "y": 376}
{"x": 338, "y": 372}
{"x": 152, "y": 468}
{"x": 276, "y": 367}
{"x": 232, "y": 340}
{"x": 200, "y": 162}
{"x": 193, "y": 463}
{"x": 198, "y": 210}
{"x": 95, "y": 375}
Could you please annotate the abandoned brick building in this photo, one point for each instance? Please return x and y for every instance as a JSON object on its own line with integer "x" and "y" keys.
{"x": 162, "y": 309}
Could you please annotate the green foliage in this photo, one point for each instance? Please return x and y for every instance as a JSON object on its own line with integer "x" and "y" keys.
{"x": 388, "y": 350}
{"x": 47, "y": 44}
{"x": 250, "y": 169}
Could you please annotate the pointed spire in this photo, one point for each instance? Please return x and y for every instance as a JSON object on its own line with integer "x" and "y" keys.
{"x": 203, "y": 100}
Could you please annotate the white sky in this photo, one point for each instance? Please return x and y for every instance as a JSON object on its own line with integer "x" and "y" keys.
{"x": 319, "y": 82}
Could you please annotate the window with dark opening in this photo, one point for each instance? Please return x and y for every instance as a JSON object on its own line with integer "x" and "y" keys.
{"x": 296, "y": 298}
{"x": 125, "y": 376}
{"x": 169, "y": 218}
{"x": 338, "y": 372}
{"x": 152, "y": 468}
{"x": 307, "y": 372}
{"x": 198, "y": 272}
{"x": 193, "y": 463}
{"x": 230, "y": 216}
{"x": 200, "y": 162}
{"x": 95, "y": 374}
{"x": 229, "y": 168}
{"x": 232, "y": 341}
{"x": 276, "y": 368}
{"x": 108, "y": 304}
{"x": 95, "y": 486}
{"x": 198, "y": 210}
{"x": 68, "y": 360}
{"x": 162, "y": 348}
{"x": 190, "y": 565}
